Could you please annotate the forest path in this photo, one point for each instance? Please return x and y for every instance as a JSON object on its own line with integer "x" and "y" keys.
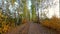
{"x": 32, "y": 28}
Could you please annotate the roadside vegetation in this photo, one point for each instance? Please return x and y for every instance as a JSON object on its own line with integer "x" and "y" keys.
{"x": 53, "y": 23}
{"x": 14, "y": 13}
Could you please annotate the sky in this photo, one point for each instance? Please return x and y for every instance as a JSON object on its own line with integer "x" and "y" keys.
{"x": 54, "y": 9}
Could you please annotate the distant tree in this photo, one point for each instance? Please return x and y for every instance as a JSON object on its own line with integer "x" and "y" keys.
{"x": 33, "y": 9}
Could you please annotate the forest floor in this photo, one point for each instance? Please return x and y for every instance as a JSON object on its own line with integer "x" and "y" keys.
{"x": 32, "y": 28}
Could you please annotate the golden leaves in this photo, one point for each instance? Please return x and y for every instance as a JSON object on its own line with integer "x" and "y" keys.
{"x": 54, "y": 23}
{"x": 4, "y": 27}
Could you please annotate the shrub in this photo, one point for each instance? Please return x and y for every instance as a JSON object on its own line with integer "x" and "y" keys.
{"x": 54, "y": 23}
{"x": 5, "y": 24}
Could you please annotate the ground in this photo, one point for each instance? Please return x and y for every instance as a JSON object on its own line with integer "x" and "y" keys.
{"x": 32, "y": 28}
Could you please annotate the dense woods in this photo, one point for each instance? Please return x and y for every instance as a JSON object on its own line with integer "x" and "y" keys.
{"x": 14, "y": 13}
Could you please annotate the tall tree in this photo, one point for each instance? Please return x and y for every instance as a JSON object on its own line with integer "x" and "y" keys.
{"x": 24, "y": 8}
{"x": 33, "y": 9}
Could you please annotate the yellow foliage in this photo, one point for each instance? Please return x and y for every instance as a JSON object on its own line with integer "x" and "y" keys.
{"x": 6, "y": 27}
{"x": 54, "y": 23}
{"x": 5, "y": 24}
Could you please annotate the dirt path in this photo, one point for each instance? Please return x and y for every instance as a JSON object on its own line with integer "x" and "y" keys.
{"x": 32, "y": 28}
{"x": 39, "y": 29}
